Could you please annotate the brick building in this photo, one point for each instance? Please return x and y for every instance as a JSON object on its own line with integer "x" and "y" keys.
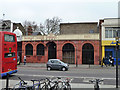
{"x": 78, "y": 43}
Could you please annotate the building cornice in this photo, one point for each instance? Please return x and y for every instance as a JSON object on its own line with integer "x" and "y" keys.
{"x": 94, "y": 36}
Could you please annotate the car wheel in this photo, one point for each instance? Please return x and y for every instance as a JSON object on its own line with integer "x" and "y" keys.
{"x": 48, "y": 68}
{"x": 63, "y": 68}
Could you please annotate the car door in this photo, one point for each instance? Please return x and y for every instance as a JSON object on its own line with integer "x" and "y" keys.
{"x": 52, "y": 64}
{"x": 56, "y": 64}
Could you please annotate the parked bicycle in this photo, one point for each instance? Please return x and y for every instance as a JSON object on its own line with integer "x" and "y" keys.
{"x": 66, "y": 84}
{"x": 37, "y": 84}
{"x": 51, "y": 85}
{"x": 22, "y": 85}
{"x": 55, "y": 83}
{"x": 96, "y": 85}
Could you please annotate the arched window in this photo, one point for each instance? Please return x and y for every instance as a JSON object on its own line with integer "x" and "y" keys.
{"x": 29, "y": 49}
{"x": 40, "y": 49}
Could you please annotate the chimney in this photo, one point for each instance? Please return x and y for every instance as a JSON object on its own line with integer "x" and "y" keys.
{"x": 30, "y": 31}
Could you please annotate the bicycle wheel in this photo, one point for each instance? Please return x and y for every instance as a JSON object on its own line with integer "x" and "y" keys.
{"x": 39, "y": 87}
{"x": 68, "y": 87}
{"x": 30, "y": 88}
{"x": 55, "y": 88}
{"x": 60, "y": 86}
{"x": 45, "y": 87}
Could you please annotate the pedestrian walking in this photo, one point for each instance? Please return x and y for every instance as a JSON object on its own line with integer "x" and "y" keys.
{"x": 24, "y": 60}
{"x": 104, "y": 62}
{"x": 112, "y": 61}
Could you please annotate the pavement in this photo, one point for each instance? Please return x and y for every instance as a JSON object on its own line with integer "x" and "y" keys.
{"x": 76, "y": 86}
{"x": 43, "y": 65}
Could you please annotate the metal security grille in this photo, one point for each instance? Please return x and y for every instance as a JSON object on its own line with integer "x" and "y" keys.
{"x": 87, "y": 54}
{"x": 68, "y": 53}
{"x": 29, "y": 49}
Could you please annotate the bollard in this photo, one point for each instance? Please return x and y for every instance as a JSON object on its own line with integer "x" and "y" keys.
{"x": 96, "y": 86}
{"x": 7, "y": 81}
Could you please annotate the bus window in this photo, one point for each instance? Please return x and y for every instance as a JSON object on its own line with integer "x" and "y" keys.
{"x": 9, "y": 55}
{"x": 9, "y": 38}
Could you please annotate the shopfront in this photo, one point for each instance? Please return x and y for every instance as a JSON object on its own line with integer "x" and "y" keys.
{"x": 109, "y": 49}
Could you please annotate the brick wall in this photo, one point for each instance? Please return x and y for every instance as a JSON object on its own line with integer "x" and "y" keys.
{"x": 77, "y": 45}
{"x": 78, "y": 28}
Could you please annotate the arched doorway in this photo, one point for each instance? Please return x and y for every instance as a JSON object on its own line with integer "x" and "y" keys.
{"x": 19, "y": 51}
{"x": 68, "y": 53}
{"x": 87, "y": 54}
{"x": 51, "y": 50}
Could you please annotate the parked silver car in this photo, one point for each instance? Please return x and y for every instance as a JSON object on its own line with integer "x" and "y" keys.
{"x": 57, "y": 64}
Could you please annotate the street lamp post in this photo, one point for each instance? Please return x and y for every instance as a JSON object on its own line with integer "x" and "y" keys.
{"x": 76, "y": 58}
{"x": 117, "y": 48}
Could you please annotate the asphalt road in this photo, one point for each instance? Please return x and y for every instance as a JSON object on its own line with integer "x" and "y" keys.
{"x": 78, "y": 75}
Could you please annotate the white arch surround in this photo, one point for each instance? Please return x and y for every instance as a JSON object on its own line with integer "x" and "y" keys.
{"x": 18, "y": 34}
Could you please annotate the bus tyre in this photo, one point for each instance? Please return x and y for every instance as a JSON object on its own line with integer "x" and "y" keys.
{"x": 48, "y": 68}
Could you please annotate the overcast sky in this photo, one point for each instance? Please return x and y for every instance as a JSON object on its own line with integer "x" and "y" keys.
{"x": 68, "y": 10}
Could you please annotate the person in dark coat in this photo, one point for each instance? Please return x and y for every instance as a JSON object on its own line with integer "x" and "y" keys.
{"x": 104, "y": 62}
{"x": 112, "y": 59}
{"x": 24, "y": 60}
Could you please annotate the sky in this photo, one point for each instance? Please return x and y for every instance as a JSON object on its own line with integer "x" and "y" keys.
{"x": 69, "y": 11}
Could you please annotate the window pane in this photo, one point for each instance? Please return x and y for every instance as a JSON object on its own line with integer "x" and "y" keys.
{"x": 9, "y": 38}
{"x": 118, "y": 33}
{"x": 110, "y": 33}
{"x": 6, "y": 37}
{"x": 106, "y": 33}
{"x": 91, "y": 31}
{"x": 9, "y": 55}
{"x": 114, "y": 33}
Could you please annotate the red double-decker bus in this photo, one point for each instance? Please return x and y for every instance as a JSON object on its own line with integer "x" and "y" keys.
{"x": 8, "y": 53}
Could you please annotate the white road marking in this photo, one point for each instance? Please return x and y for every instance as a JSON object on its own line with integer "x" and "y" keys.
{"x": 63, "y": 76}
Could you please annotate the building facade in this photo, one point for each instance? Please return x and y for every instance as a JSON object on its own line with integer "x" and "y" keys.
{"x": 71, "y": 47}
{"x": 109, "y": 27}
